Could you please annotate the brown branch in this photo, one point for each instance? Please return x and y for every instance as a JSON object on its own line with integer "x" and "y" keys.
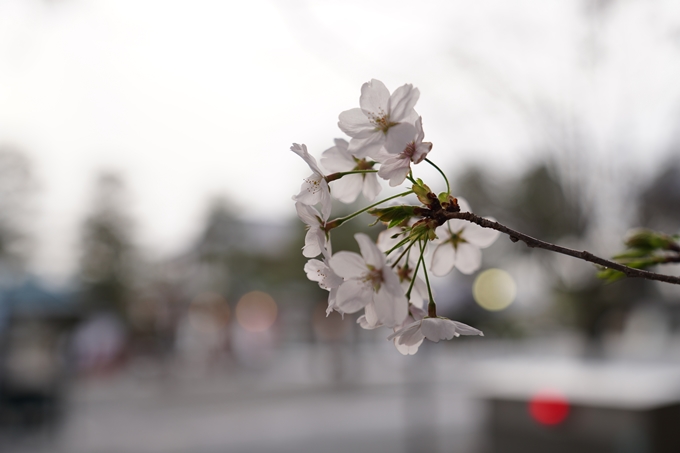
{"x": 537, "y": 243}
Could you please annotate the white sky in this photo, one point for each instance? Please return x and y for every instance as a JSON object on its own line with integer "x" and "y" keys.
{"x": 199, "y": 98}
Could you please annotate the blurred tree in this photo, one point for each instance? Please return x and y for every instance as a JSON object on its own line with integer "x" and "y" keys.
{"x": 536, "y": 203}
{"x": 659, "y": 202}
{"x": 106, "y": 264}
{"x": 16, "y": 189}
{"x": 543, "y": 209}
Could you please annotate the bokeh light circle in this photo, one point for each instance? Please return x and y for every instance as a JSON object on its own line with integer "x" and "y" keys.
{"x": 256, "y": 311}
{"x": 549, "y": 407}
{"x": 494, "y": 289}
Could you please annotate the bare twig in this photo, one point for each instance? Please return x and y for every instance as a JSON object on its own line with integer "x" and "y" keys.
{"x": 537, "y": 243}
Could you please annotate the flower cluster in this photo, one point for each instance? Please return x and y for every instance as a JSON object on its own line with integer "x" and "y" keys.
{"x": 389, "y": 280}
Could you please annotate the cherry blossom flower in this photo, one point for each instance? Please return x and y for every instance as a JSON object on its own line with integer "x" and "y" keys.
{"x": 347, "y": 188}
{"x": 410, "y": 348}
{"x": 369, "y": 283}
{"x": 410, "y": 344}
{"x": 371, "y": 124}
{"x": 434, "y": 329}
{"x": 315, "y": 239}
{"x": 315, "y": 188}
{"x": 319, "y": 271}
{"x": 403, "y": 146}
{"x": 459, "y": 243}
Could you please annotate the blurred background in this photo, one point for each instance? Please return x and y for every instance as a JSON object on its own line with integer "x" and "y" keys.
{"x": 152, "y": 297}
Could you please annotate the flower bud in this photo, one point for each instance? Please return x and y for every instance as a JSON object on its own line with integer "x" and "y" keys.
{"x": 423, "y": 193}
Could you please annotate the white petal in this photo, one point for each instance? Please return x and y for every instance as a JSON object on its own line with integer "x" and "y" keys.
{"x": 443, "y": 259}
{"x": 341, "y": 144}
{"x": 422, "y": 150}
{"x": 332, "y": 279}
{"x": 371, "y": 187}
{"x": 402, "y": 101}
{"x": 363, "y": 322}
{"x": 411, "y": 117}
{"x": 337, "y": 158}
{"x": 332, "y": 302}
{"x": 347, "y": 188}
{"x": 453, "y": 225}
{"x": 353, "y": 295}
{"x": 368, "y": 145}
{"x": 419, "y": 295}
{"x": 393, "y": 285}
{"x": 408, "y": 328}
{"x": 395, "y": 170}
{"x": 436, "y": 329}
{"x": 301, "y": 150}
{"x": 372, "y": 255}
{"x": 464, "y": 329}
{"x": 315, "y": 270}
{"x": 391, "y": 305}
{"x": 348, "y": 264}
{"x": 313, "y": 190}
{"x": 479, "y": 236}
{"x": 417, "y": 313}
{"x": 420, "y": 133}
{"x": 410, "y": 337}
{"x": 468, "y": 258}
{"x": 315, "y": 240}
{"x": 308, "y": 214}
{"x": 443, "y": 234}
{"x": 355, "y": 123}
{"x": 385, "y": 241}
{"x": 325, "y": 200}
{"x": 409, "y": 343}
{"x": 398, "y": 137}
{"x": 326, "y": 251}
{"x": 374, "y": 97}
{"x": 319, "y": 271}
{"x": 371, "y": 317}
{"x": 382, "y": 155}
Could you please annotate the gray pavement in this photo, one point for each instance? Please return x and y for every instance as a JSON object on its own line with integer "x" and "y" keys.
{"x": 378, "y": 402}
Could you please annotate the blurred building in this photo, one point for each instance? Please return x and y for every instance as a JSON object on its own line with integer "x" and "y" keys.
{"x": 34, "y": 365}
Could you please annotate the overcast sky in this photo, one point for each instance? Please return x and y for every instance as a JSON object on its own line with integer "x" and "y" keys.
{"x": 195, "y": 99}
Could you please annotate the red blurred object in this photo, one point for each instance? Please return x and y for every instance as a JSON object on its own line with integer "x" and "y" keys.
{"x": 549, "y": 408}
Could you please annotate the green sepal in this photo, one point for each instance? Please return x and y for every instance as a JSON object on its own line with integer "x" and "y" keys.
{"x": 393, "y": 215}
{"x": 424, "y": 228}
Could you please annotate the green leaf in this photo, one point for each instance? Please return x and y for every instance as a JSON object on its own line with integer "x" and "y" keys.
{"x": 650, "y": 240}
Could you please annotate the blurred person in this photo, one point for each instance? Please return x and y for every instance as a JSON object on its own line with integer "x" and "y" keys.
{"x": 203, "y": 334}
{"x": 98, "y": 344}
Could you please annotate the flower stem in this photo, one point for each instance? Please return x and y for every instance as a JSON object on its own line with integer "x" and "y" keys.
{"x": 399, "y": 244}
{"x": 334, "y": 176}
{"x": 410, "y": 177}
{"x": 431, "y": 306}
{"x": 448, "y": 187}
{"x": 396, "y": 262}
{"x": 415, "y": 274}
{"x": 340, "y": 220}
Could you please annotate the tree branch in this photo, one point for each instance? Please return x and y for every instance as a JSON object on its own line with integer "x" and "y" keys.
{"x": 537, "y": 243}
